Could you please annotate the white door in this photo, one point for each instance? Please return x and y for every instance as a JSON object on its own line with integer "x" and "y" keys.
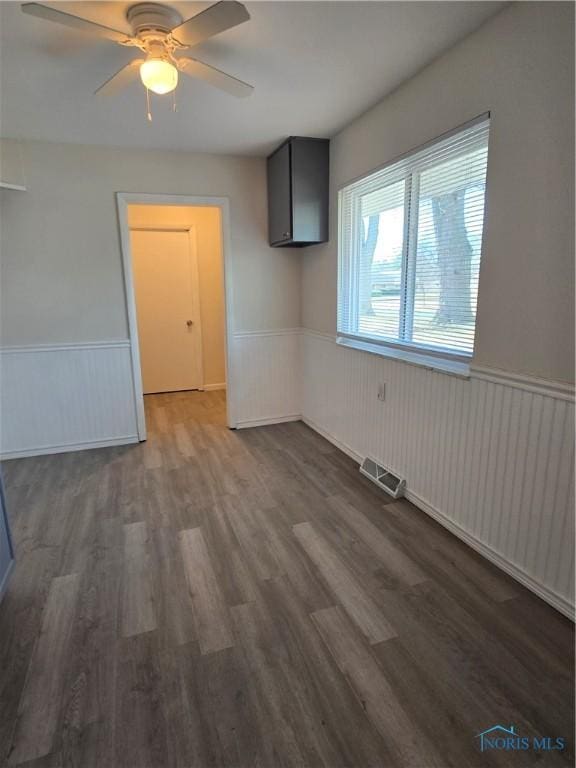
{"x": 166, "y": 287}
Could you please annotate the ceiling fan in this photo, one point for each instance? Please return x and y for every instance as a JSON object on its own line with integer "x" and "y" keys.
{"x": 161, "y": 34}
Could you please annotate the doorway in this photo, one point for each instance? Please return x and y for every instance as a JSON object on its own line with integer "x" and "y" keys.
{"x": 166, "y": 286}
{"x": 175, "y": 252}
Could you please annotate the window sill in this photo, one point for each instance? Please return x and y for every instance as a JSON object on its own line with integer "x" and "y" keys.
{"x": 445, "y": 365}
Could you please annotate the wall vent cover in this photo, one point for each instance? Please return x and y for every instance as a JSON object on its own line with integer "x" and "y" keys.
{"x": 383, "y": 477}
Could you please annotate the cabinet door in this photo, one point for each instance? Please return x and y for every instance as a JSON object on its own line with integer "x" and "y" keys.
{"x": 279, "y": 196}
{"x": 310, "y": 171}
{"x": 6, "y": 552}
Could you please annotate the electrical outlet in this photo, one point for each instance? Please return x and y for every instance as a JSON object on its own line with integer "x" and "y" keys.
{"x": 381, "y": 392}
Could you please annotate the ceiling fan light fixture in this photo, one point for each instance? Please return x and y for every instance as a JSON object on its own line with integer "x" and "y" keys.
{"x": 159, "y": 75}
{"x": 159, "y": 33}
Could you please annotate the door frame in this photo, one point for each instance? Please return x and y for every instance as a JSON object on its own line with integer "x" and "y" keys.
{"x": 123, "y": 200}
{"x": 195, "y": 274}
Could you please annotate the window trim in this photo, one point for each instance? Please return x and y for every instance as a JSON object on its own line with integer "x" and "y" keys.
{"x": 450, "y": 364}
{"x": 416, "y": 150}
{"x": 457, "y": 363}
{"x": 400, "y": 346}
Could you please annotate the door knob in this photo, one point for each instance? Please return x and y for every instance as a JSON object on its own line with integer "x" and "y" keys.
{"x": 189, "y": 323}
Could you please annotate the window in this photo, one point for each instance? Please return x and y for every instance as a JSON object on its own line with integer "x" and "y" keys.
{"x": 410, "y": 246}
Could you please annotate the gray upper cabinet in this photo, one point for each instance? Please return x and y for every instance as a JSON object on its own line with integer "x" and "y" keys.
{"x": 298, "y": 174}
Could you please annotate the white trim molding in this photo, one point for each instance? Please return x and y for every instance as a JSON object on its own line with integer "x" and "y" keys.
{"x": 123, "y": 200}
{"x": 64, "y": 346}
{"x": 14, "y": 187}
{"x": 490, "y": 457}
{"x": 525, "y": 381}
{"x": 271, "y": 332}
{"x": 87, "y": 397}
{"x": 557, "y": 601}
{"x": 551, "y": 597}
{"x": 46, "y": 450}
{"x": 409, "y": 356}
{"x": 66, "y": 397}
{"x": 548, "y": 387}
{"x": 267, "y": 421}
{"x": 267, "y": 364}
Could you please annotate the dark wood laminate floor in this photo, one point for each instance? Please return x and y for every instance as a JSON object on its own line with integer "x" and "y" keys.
{"x": 221, "y": 598}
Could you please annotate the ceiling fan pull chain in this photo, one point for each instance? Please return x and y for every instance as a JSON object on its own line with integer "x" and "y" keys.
{"x": 174, "y": 107}
{"x": 149, "y": 111}
{"x": 159, "y": 32}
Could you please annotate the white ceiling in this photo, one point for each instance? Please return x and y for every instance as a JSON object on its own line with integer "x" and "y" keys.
{"x": 315, "y": 67}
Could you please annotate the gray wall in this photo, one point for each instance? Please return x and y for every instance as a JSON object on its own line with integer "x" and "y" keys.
{"x": 520, "y": 66}
{"x": 61, "y": 270}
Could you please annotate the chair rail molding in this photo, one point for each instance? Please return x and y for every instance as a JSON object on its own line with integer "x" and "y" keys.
{"x": 267, "y": 364}
{"x": 490, "y": 457}
{"x": 66, "y": 397}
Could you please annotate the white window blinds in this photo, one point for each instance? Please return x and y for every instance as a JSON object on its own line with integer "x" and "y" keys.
{"x": 410, "y": 246}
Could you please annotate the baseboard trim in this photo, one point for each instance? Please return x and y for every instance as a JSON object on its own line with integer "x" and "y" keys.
{"x": 214, "y": 387}
{"x": 556, "y": 601}
{"x": 334, "y": 440}
{"x": 45, "y": 450}
{"x": 246, "y": 423}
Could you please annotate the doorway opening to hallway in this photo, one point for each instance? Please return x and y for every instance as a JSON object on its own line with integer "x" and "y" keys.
{"x": 174, "y": 254}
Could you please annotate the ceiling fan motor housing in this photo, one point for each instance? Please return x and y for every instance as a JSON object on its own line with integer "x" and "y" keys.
{"x": 160, "y": 33}
{"x": 152, "y": 17}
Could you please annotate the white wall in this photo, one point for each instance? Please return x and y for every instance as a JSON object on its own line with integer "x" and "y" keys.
{"x": 206, "y": 223}
{"x": 66, "y": 397}
{"x": 520, "y": 67}
{"x": 62, "y": 292}
{"x": 490, "y": 457}
{"x": 61, "y": 266}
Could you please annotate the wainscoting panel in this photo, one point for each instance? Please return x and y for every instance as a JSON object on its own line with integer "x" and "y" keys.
{"x": 65, "y": 397}
{"x": 266, "y": 377}
{"x": 491, "y": 457}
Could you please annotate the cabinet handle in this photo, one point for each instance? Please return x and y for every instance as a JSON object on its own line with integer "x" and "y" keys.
{"x": 286, "y": 234}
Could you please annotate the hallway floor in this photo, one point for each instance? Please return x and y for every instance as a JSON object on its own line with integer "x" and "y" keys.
{"x": 246, "y": 598}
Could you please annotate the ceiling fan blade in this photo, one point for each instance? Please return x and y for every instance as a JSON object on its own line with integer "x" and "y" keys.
{"x": 120, "y": 79}
{"x": 215, "y": 77}
{"x": 215, "y": 19}
{"x": 76, "y": 22}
